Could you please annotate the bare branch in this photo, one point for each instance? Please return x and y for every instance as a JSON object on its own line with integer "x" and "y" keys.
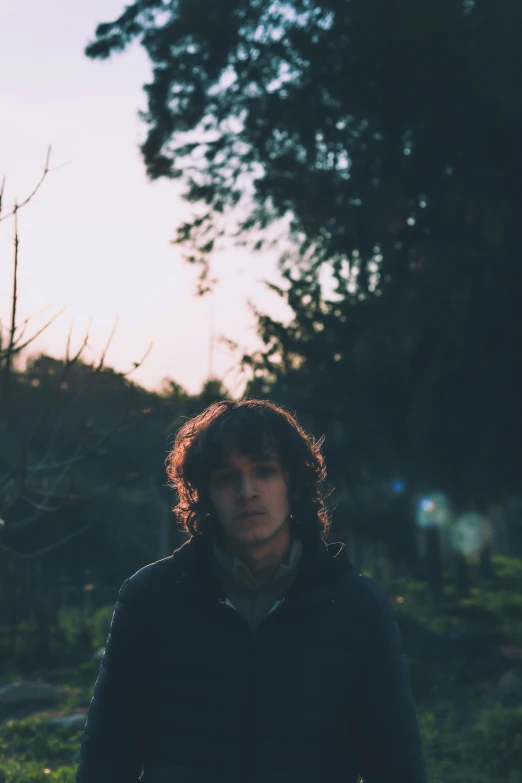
{"x": 74, "y": 460}
{"x": 57, "y": 483}
{"x": 34, "y": 192}
{"x": 40, "y": 506}
{"x": 51, "y": 494}
{"x": 29, "y": 520}
{"x": 21, "y": 467}
{"x": 81, "y": 453}
{"x": 10, "y": 503}
{"x": 44, "y": 507}
{"x": 136, "y": 365}
{"x": 68, "y": 362}
{"x": 46, "y": 549}
{"x": 12, "y": 330}
{"x": 42, "y": 483}
{"x": 60, "y": 424}
{"x": 76, "y": 498}
{"x": 68, "y": 346}
{"x": 21, "y": 330}
{"x": 104, "y": 352}
{"x": 17, "y": 348}
{"x": 15, "y": 342}
{"x": 33, "y": 315}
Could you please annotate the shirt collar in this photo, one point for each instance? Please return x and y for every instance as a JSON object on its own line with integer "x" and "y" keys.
{"x": 239, "y": 571}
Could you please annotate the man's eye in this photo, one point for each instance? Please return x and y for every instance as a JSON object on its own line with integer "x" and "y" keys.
{"x": 222, "y": 478}
{"x": 265, "y": 470}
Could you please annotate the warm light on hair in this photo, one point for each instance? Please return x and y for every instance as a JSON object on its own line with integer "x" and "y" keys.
{"x": 254, "y": 427}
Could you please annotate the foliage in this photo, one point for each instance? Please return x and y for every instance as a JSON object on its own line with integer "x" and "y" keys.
{"x": 347, "y": 114}
{"x": 76, "y": 632}
{"x": 77, "y": 623}
{"x": 100, "y": 625}
{"x": 488, "y": 749}
{"x": 469, "y": 735}
{"x": 34, "y": 750}
{"x": 33, "y": 772}
{"x": 495, "y": 608}
{"x": 388, "y": 134}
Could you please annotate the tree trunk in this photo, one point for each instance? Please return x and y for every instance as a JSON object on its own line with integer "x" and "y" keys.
{"x": 434, "y": 563}
{"x": 462, "y": 580}
{"x": 486, "y": 566}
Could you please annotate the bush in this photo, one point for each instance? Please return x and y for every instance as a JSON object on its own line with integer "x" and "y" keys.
{"x": 494, "y": 608}
{"x": 74, "y": 637}
{"x": 100, "y": 623}
{"x": 35, "y": 750}
{"x": 79, "y": 624}
{"x": 497, "y": 738}
{"x": 487, "y": 749}
{"x": 32, "y": 772}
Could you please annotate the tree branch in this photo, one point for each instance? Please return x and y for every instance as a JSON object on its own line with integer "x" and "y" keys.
{"x": 20, "y": 347}
{"x": 136, "y": 365}
{"x": 32, "y": 194}
{"x": 46, "y": 549}
{"x": 14, "y": 301}
{"x": 104, "y": 351}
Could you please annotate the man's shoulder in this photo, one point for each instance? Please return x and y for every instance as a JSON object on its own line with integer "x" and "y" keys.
{"x": 157, "y": 576}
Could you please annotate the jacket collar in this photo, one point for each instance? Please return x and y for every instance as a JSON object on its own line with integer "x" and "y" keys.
{"x": 320, "y": 565}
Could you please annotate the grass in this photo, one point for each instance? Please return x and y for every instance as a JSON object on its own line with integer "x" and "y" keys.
{"x": 35, "y": 750}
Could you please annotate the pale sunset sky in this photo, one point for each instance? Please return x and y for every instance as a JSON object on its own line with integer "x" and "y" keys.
{"x": 96, "y": 238}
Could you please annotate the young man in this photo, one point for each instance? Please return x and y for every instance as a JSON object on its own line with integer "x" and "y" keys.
{"x": 255, "y": 653}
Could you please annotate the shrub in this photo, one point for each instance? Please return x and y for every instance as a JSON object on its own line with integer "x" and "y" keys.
{"x": 480, "y": 751}
{"x": 100, "y": 623}
{"x": 35, "y": 749}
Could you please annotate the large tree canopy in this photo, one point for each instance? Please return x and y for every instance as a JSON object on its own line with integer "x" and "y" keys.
{"x": 352, "y": 116}
{"x": 388, "y": 131}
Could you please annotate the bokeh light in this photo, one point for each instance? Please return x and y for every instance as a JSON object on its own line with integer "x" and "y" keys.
{"x": 434, "y": 511}
{"x": 470, "y": 533}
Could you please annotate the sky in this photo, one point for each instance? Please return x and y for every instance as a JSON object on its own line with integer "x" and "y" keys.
{"x": 96, "y": 239}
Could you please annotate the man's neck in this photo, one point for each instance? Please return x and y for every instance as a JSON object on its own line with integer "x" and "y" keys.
{"x": 262, "y": 560}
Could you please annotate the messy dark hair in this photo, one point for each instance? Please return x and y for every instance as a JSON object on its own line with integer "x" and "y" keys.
{"x": 257, "y": 428}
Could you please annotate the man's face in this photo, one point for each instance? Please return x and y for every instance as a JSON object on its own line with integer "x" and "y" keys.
{"x": 250, "y": 498}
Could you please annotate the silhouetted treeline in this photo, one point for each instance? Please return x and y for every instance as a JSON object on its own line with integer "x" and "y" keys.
{"x": 83, "y": 493}
{"x": 110, "y": 514}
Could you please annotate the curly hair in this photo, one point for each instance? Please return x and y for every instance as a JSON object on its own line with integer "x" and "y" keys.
{"x": 255, "y": 428}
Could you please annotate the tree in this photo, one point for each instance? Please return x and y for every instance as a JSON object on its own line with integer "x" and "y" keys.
{"x": 49, "y": 440}
{"x": 387, "y": 133}
{"x": 351, "y": 116}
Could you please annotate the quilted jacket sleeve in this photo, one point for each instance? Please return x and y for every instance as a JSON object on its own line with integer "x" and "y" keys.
{"x": 112, "y": 741}
{"x": 387, "y": 732}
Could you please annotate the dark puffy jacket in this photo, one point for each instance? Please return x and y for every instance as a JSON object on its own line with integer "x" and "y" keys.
{"x": 188, "y": 693}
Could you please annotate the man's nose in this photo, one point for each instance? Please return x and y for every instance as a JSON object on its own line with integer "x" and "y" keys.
{"x": 246, "y": 487}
